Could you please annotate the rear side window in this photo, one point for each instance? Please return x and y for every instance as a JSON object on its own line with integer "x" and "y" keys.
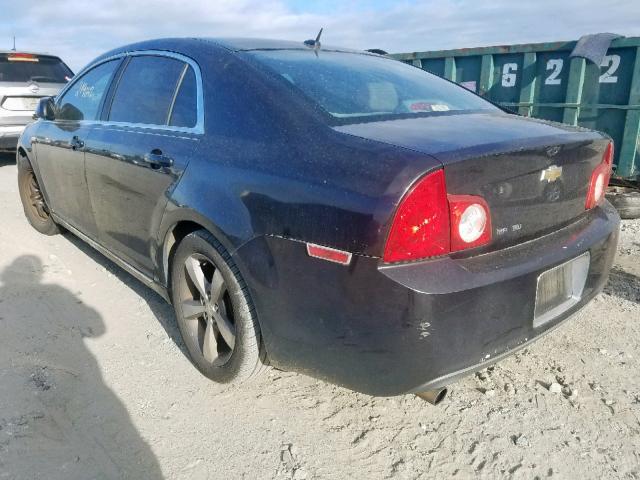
{"x": 83, "y": 99}
{"x": 185, "y": 106}
{"x": 146, "y": 90}
{"x": 26, "y": 67}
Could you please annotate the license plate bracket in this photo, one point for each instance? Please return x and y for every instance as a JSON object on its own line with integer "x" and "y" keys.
{"x": 560, "y": 288}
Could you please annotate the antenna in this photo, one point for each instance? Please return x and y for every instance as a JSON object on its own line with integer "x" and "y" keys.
{"x": 315, "y": 44}
{"x": 14, "y": 43}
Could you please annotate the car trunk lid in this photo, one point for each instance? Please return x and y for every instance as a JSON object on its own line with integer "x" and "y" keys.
{"x": 533, "y": 174}
{"x": 18, "y": 101}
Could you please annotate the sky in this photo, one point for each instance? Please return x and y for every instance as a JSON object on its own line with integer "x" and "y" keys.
{"x": 80, "y": 30}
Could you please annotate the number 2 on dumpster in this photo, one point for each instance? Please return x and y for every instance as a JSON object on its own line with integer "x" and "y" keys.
{"x": 611, "y": 63}
{"x": 555, "y": 65}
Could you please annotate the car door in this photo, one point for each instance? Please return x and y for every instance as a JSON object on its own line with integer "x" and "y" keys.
{"x": 151, "y": 127}
{"x": 60, "y": 146}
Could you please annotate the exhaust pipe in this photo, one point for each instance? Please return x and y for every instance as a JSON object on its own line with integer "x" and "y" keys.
{"x": 434, "y": 397}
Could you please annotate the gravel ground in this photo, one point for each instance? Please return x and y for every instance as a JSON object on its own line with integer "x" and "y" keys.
{"x": 94, "y": 383}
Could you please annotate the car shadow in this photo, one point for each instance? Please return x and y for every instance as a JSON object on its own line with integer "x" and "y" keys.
{"x": 623, "y": 284}
{"x": 58, "y": 418}
{"x": 159, "y": 307}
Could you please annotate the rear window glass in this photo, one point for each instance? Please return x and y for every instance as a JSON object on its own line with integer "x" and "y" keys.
{"x": 185, "y": 106}
{"x": 145, "y": 90}
{"x": 16, "y": 67}
{"x": 354, "y": 85}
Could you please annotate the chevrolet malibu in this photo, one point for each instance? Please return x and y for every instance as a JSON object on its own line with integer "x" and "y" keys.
{"x": 323, "y": 210}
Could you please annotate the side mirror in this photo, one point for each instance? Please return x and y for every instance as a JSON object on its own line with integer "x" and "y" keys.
{"x": 45, "y": 109}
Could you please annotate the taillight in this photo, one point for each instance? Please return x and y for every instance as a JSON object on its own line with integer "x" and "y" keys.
{"x": 421, "y": 225}
{"x": 430, "y": 223}
{"x": 470, "y": 222}
{"x": 600, "y": 179}
{"x": 22, "y": 57}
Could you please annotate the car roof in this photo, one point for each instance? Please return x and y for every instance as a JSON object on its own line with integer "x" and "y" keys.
{"x": 200, "y": 48}
{"x": 239, "y": 44}
{"x": 187, "y": 45}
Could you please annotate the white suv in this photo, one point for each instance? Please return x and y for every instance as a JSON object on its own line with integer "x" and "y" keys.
{"x": 24, "y": 79}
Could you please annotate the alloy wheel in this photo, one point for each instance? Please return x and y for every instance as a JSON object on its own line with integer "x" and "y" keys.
{"x": 36, "y": 200}
{"x": 207, "y": 309}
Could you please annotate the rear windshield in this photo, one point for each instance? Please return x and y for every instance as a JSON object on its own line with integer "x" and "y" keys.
{"x": 17, "y": 67}
{"x": 350, "y": 85}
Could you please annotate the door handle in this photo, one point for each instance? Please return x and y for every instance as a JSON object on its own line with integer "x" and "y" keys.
{"x": 157, "y": 159}
{"x": 76, "y": 143}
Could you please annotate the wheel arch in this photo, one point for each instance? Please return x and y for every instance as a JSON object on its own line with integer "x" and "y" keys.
{"x": 176, "y": 226}
{"x": 22, "y": 152}
{"x": 26, "y": 156}
{"x": 22, "y": 157}
{"x": 177, "y": 231}
{"x": 172, "y": 239}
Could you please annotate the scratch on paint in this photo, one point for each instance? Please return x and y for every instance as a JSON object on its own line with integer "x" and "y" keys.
{"x": 424, "y": 329}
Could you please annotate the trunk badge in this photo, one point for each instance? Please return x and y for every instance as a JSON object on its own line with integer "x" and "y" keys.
{"x": 33, "y": 87}
{"x": 551, "y": 174}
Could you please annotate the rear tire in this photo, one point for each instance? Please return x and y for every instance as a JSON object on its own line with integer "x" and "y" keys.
{"x": 33, "y": 202}
{"x": 626, "y": 200}
{"x": 214, "y": 311}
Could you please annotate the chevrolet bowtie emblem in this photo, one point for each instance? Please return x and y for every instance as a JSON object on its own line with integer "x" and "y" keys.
{"x": 551, "y": 174}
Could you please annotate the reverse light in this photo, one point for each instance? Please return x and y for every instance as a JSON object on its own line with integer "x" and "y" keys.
{"x": 600, "y": 179}
{"x": 430, "y": 223}
{"x": 470, "y": 222}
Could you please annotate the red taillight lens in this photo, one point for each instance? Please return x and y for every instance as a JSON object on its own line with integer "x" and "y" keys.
{"x": 600, "y": 179}
{"x": 470, "y": 222}
{"x": 430, "y": 223}
{"x": 421, "y": 225}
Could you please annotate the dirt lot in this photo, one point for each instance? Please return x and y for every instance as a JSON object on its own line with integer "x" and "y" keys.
{"x": 94, "y": 383}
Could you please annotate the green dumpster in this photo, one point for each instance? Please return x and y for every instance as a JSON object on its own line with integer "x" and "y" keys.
{"x": 542, "y": 80}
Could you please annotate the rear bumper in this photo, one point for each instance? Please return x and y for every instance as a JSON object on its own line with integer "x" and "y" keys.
{"x": 389, "y": 330}
{"x": 9, "y": 136}
{"x": 451, "y": 377}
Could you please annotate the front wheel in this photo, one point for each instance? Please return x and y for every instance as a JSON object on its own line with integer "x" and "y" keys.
{"x": 33, "y": 203}
{"x": 214, "y": 311}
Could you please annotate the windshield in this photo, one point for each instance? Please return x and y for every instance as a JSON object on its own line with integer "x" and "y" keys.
{"x": 23, "y": 67}
{"x": 354, "y": 85}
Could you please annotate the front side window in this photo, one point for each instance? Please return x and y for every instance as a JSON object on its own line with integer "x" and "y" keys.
{"x": 350, "y": 85}
{"x": 146, "y": 90}
{"x": 83, "y": 99}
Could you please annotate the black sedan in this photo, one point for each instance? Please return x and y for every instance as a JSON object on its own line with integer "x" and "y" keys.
{"x": 322, "y": 210}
